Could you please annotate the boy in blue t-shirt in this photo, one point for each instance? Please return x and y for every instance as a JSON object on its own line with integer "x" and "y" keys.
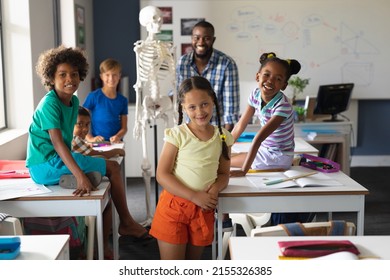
{"x": 108, "y": 108}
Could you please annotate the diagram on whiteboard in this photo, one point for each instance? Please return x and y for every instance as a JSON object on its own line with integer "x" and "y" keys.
{"x": 329, "y": 49}
{"x": 335, "y": 41}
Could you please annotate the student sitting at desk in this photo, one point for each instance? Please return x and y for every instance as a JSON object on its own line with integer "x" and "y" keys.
{"x": 273, "y": 145}
{"x": 49, "y": 156}
{"x": 80, "y": 145}
{"x": 108, "y": 107}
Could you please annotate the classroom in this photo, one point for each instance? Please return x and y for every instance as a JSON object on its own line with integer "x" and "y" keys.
{"x": 31, "y": 26}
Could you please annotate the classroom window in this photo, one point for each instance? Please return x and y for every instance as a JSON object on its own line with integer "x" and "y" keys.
{"x": 3, "y": 121}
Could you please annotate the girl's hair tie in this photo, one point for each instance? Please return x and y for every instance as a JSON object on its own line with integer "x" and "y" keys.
{"x": 223, "y": 137}
{"x": 270, "y": 55}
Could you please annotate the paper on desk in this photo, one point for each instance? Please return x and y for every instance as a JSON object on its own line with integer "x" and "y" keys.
{"x": 110, "y": 147}
{"x": 316, "y": 180}
{"x": 13, "y": 188}
{"x": 338, "y": 256}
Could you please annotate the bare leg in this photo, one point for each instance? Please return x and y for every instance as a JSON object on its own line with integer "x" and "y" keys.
{"x": 194, "y": 252}
{"x": 238, "y": 160}
{"x": 127, "y": 226}
{"x": 169, "y": 251}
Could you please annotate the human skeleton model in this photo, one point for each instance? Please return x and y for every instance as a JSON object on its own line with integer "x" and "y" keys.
{"x": 155, "y": 62}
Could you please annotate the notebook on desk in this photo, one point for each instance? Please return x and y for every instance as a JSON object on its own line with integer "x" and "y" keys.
{"x": 316, "y": 180}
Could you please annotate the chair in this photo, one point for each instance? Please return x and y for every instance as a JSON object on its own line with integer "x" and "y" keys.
{"x": 249, "y": 221}
{"x": 314, "y": 228}
{"x": 11, "y": 226}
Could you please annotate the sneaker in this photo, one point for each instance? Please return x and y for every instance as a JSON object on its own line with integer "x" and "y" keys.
{"x": 227, "y": 225}
{"x": 69, "y": 181}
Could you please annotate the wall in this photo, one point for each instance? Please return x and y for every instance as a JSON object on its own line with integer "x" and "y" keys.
{"x": 68, "y": 28}
{"x": 25, "y": 36}
{"x": 116, "y": 29}
{"x": 332, "y": 40}
{"x": 328, "y": 37}
{"x": 374, "y": 134}
{"x": 23, "y": 49}
{"x": 29, "y": 30}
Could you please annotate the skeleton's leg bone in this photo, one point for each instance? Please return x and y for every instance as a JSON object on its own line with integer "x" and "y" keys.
{"x": 147, "y": 180}
{"x": 146, "y": 173}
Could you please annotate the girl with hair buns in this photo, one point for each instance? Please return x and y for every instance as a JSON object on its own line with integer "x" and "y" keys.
{"x": 273, "y": 145}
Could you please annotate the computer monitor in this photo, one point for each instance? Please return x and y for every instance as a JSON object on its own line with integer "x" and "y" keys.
{"x": 333, "y": 99}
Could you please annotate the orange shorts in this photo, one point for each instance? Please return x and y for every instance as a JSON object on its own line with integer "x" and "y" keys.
{"x": 179, "y": 221}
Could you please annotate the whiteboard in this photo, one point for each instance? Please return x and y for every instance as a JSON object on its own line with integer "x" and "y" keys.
{"x": 335, "y": 41}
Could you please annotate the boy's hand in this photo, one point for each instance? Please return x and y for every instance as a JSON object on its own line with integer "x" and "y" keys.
{"x": 115, "y": 139}
{"x": 98, "y": 138}
{"x": 84, "y": 186}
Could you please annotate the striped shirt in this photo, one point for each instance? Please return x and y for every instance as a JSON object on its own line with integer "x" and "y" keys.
{"x": 222, "y": 73}
{"x": 282, "y": 138}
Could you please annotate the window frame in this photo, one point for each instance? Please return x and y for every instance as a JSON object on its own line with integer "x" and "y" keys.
{"x": 3, "y": 112}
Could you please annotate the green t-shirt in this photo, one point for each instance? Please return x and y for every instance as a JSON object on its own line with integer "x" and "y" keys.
{"x": 50, "y": 113}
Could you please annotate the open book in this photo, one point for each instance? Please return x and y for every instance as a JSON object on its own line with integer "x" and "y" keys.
{"x": 316, "y": 180}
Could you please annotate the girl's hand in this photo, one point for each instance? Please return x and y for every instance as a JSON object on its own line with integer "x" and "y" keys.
{"x": 237, "y": 173}
{"x": 213, "y": 191}
{"x": 204, "y": 200}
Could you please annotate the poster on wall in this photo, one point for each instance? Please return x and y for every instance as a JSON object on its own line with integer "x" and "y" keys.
{"x": 80, "y": 26}
{"x": 186, "y": 48}
{"x": 187, "y": 24}
{"x": 165, "y": 35}
{"x": 166, "y": 14}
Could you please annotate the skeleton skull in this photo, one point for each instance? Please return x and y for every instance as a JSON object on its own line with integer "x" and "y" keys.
{"x": 151, "y": 18}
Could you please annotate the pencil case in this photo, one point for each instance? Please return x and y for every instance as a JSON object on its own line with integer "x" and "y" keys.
{"x": 316, "y": 248}
{"x": 101, "y": 144}
{"x": 318, "y": 163}
{"x": 9, "y": 247}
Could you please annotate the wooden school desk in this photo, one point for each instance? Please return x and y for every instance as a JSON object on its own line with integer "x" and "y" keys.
{"x": 62, "y": 203}
{"x": 241, "y": 196}
{"x": 266, "y": 247}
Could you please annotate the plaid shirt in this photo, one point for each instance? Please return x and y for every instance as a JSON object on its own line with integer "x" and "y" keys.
{"x": 80, "y": 146}
{"x": 222, "y": 73}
